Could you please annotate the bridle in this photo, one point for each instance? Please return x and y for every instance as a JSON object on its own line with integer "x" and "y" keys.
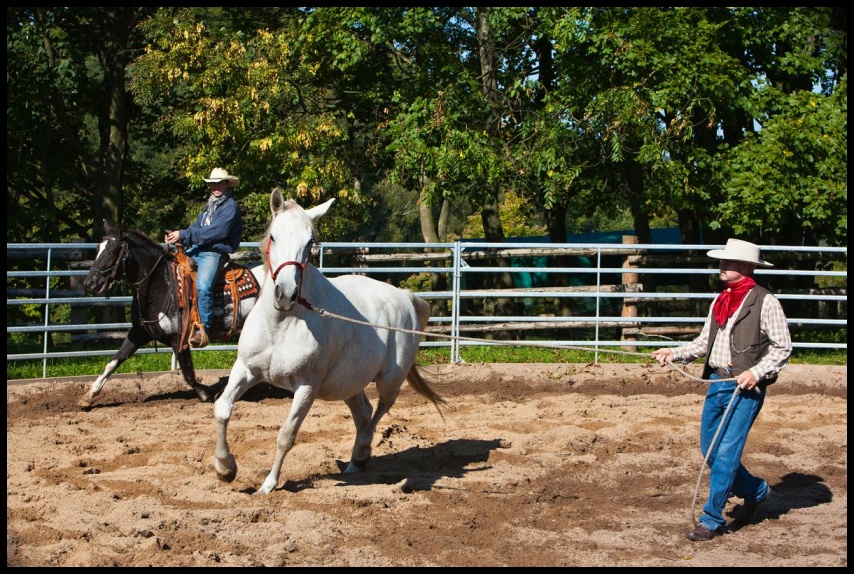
{"x": 111, "y": 274}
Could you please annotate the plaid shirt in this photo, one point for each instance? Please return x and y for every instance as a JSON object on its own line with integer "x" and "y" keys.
{"x": 772, "y": 322}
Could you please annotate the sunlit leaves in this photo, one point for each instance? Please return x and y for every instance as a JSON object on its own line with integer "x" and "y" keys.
{"x": 793, "y": 172}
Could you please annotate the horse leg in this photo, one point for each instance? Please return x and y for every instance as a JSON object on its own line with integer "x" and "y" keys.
{"x": 365, "y": 436}
{"x": 303, "y": 399}
{"x": 240, "y": 380}
{"x": 185, "y": 362}
{"x": 361, "y": 409}
{"x": 135, "y": 338}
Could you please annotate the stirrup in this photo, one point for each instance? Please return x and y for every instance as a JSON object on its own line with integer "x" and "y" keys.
{"x": 199, "y": 339}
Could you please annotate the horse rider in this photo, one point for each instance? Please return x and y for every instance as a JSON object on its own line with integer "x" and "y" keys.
{"x": 209, "y": 240}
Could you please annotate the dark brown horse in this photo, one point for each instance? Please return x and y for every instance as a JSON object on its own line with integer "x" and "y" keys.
{"x": 156, "y": 312}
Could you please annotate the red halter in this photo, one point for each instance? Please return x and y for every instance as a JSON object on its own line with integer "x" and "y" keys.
{"x": 300, "y": 298}
{"x": 279, "y": 268}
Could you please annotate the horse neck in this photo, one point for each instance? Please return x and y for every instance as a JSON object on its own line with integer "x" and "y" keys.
{"x": 143, "y": 258}
{"x": 315, "y": 285}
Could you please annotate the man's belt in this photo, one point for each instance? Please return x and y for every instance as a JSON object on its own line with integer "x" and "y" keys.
{"x": 723, "y": 373}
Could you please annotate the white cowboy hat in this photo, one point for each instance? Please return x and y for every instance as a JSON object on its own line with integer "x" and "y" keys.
{"x": 218, "y": 174}
{"x": 738, "y": 250}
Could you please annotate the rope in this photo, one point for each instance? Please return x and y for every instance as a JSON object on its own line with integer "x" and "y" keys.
{"x": 540, "y": 344}
{"x": 545, "y": 344}
{"x": 691, "y": 513}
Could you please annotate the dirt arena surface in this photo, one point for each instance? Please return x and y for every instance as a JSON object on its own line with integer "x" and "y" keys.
{"x": 533, "y": 465}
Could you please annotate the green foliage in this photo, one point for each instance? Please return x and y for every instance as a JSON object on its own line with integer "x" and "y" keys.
{"x": 733, "y": 118}
{"x": 838, "y": 282}
{"x": 249, "y": 102}
{"x": 835, "y": 336}
{"x": 518, "y": 217}
{"x": 793, "y": 173}
{"x": 51, "y": 122}
{"x": 419, "y": 283}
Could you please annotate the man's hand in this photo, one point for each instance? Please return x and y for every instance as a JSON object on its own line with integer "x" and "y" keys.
{"x": 746, "y": 381}
{"x": 172, "y": 237}
{"x": 663, "y": 356}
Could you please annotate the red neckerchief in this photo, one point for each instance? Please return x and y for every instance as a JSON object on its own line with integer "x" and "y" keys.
{"x": 730, "y": 298}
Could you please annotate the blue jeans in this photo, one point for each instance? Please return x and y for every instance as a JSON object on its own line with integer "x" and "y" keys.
{"x": 727, "y": 476}
{"x": 209, "y": 263}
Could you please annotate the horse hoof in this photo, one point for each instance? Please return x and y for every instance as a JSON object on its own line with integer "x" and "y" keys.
{"x": 85, "y": 403}
{"x": 226, "y": 471}
{"x": 355, "y": 467}
{"x": 267, "y": 487}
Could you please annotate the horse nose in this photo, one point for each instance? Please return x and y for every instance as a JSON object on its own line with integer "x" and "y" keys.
{"x": 91, "y": 283}
{"x": 285, "y": 301}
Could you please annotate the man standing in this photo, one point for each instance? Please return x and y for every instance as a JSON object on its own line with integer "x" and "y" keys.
{"x": 209, "y": 240}
{"x": 746, "y": 338}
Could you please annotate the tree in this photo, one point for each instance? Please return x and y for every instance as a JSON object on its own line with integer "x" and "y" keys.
{"x": 581, "y": 111}
{"x": 66, "y": 78}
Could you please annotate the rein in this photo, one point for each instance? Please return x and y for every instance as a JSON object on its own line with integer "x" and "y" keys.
{"x": 171, "y": 292}
{"x": 153, "y": 269}
{"x": 110, "y": 273}
{"x": 139, "y": 285}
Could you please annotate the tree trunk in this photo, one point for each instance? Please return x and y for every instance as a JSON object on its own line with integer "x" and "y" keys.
{"x": 116, "y": 28}
{"x": 493, "y": 231}
{"x": 556, "y": 223}
{"x": 435, "y": 232}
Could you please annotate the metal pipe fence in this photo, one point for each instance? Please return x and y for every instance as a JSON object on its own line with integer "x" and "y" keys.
{"x": 591, "y": 295}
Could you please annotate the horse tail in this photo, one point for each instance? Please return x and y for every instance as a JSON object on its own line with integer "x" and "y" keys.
{"x": 422, "y": 309}
{"x": 414, "y": 377}
{"x": 423, "y": 388}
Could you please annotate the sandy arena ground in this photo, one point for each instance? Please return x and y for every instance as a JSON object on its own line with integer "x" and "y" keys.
{"x": 533, "y": 465}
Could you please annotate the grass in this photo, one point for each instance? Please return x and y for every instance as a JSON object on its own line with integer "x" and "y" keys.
{"x": 203, "y": 360}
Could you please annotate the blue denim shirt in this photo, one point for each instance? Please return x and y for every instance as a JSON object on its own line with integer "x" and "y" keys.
{"x": 224, "y": 233}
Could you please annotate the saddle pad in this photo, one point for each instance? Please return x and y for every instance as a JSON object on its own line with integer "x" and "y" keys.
{"x": 239, "y": 280}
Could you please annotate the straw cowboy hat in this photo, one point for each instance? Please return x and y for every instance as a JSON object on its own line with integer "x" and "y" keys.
{"x": 218, "y": 174}
{"x": 738, "y": 250}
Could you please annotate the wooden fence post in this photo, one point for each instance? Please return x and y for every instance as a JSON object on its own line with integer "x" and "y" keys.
{"x": 630, "y": 309}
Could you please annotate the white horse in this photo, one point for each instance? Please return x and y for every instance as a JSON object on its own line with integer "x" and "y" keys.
{"x": 290, "y": 345}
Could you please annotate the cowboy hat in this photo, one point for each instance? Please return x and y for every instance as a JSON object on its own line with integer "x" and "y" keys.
{"x": 218, "y": 174}
{"x": 738, "y": 250}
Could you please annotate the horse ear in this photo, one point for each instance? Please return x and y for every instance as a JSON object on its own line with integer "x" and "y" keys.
{"x": 319, "y": 211}
{"x": 276, "y": 201}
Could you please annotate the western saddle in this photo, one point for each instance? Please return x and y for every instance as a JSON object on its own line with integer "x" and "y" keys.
{"x": 234, "y": 280}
